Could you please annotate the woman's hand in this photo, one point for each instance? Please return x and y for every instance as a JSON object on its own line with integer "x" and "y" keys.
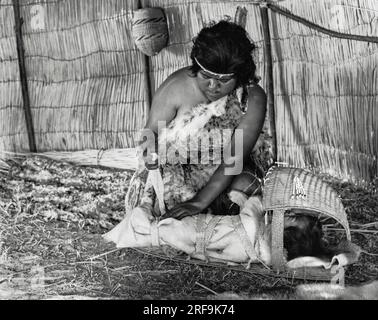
{"x": 151, "y": 161}
{"x": 147, "y": 149}
{"x": 185, "y": 209}
{"x": 147, "y": 159}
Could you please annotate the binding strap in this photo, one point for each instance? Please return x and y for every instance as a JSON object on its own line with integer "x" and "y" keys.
{"x": 200, "y": 239}
{"x": 211, "y": 227}
{"x": 155, "y": 234}
{"x": 240, "y": 230}
{"x": 156, "y": 180}
{"x": 278, "y": 260}
{"x": 204, "y": 232}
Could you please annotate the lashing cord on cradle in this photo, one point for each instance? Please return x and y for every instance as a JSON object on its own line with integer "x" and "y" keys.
{"x": 204, "y": 230}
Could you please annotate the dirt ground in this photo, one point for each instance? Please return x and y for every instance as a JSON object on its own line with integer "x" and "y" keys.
{"x": 52, "y": 215}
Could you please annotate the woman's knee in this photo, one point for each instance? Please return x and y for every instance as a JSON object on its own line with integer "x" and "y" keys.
{"x": 246, "y": 182}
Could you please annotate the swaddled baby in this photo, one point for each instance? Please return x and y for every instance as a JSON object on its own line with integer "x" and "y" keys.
{"x": 238, "y": 239}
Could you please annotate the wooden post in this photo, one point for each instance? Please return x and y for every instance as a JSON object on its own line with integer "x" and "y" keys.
{"x": 269, "y": 77}
{"x": 141, "y": 4}
{"x": 23, "y": 77}
{"x": 148, "y": 80}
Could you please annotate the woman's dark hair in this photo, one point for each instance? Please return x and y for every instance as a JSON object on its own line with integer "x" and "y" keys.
{"x": 225, "y": 47}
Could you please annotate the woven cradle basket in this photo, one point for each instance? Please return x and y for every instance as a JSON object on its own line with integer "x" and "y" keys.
{"x": 150, "y": 30}
{"x": 292, "y": 188}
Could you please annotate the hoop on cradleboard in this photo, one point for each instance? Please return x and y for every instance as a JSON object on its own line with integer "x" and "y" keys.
{"x": 297, "y": 189}
{"x": 150, "y": 30}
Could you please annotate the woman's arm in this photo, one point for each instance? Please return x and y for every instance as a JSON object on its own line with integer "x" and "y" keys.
{"x": 251, "y": 126}
{"x": 163, "y": 108}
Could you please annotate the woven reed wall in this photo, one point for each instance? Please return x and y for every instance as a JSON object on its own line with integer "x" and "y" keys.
{"x": 85, "y": 76}
{"x": 87, "y": 79}
{"x": 326, "y": 89}
{"x": 13, "y": 134}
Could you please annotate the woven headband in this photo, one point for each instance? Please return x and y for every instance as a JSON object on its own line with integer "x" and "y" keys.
{"x": 218, "y": 75}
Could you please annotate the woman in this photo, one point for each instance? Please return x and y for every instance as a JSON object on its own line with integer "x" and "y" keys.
{"x": 219, "y": 91}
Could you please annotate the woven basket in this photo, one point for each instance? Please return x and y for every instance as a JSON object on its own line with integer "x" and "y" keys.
{"x": 150, "y": 30}
{"x": 292, "y": 188}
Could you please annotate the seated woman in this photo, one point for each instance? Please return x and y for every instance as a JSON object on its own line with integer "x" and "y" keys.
{"x": 218, "y": 94}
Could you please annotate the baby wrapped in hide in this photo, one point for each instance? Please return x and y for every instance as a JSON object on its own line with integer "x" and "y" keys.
{"x": 232, "y": 239}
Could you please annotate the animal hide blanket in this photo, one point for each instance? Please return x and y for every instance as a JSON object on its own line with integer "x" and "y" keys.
{"x": 231, "y": 239}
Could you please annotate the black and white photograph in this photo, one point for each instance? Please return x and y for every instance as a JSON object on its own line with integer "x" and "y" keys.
{"x": 188, "y": 154}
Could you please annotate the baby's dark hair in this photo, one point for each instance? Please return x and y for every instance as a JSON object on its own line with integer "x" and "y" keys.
{"x": 304, "y": 239}
{"x": 225, "y": 47}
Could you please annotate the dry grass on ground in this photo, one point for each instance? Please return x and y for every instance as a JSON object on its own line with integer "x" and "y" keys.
{"x": 52, "y": 215}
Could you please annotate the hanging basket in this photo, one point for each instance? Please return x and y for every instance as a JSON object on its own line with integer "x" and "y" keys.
{"x": 292, "y": 188}
{"x": 150, "y": 30}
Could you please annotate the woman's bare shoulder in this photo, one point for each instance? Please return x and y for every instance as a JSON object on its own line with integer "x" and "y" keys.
{"x": 256, "y": 103}
{"x": 174, "y": 82}
{"x": 179, "y": 88}
{"x": 257, "y": 98}
{"x": 256, "y": 90}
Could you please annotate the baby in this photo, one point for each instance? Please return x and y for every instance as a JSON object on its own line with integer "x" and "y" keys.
{"x": 241, "y": 238}
{"x": 303, "y": 236}
{"x": 224, "y": 238}
{"x": 302, "y": 232}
